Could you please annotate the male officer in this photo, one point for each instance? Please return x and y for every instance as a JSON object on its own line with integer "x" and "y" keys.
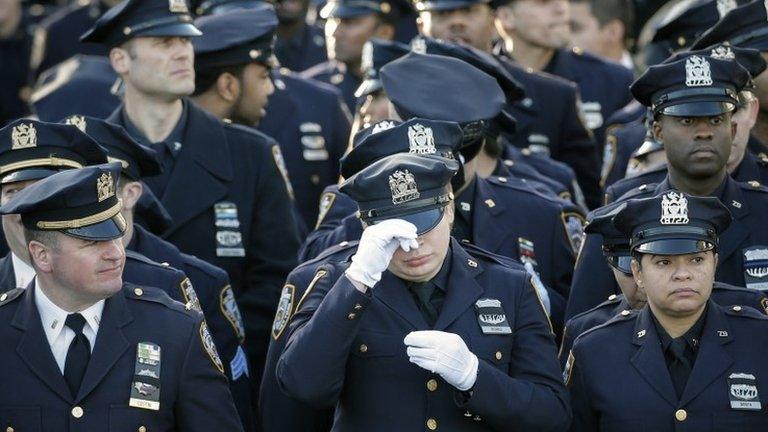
{"x": 746, "y": 27}
{"x": 404, "y": 314}
{"x": 548, "y": 119}
{"x": 374, "y": 105}
{"x": 212, "y": 293}
{"x": 692, "y": 100}
{"x": 743, "y": 166}
{"x": 540, "y": 33}
{"x": 93, "y": 353}
{"x": 299, "y": 45}
{"x": 350, "y": 24}
{"x": 602, "y": 27}
{"x": 617, "y": 253}
{"x": 220, "y": 183}
{"x": 233, "y": 82}
{"x": 690, "y": 363}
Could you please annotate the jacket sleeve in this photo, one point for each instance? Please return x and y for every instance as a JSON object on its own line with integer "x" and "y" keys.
{"x": 593, "y": 280}
{"x": 338, "y": 224}
{"x": 323, "y": 321}
{"x": 531, "y": 395}
{"x": 584, "y": 417}
{"x": 204, "y": 402}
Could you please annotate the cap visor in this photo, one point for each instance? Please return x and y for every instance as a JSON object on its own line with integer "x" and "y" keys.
{"x": 177, "y": 29}
{"x": 109, "y": 229}
{"x": 334, "y": 10}
{"x": 28, "y": 174}
{"x": 367, "y": 87}
{"x": 445, "y": 5}
{"x": 696, "y": 108}
{"x": 621, "y": 263}
{"x": 674, "y": 246}
{"x": 424, "y": 221}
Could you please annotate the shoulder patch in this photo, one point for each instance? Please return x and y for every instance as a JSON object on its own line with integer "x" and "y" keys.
{"x": 568, "y": 370}
{"x": 623, "y": 316}
{"x": 574, "y": 224}
{"x": 155, "y": 295}
{"x": 753, "y": 185}
{"x": 319, "y": 274}
{"x": 231, "y": 312}
{"x": 284, "y": 309}
{"x": 744, "y": 312}
{"x": 613, "y": 300}
{"x": 610, "y": 152}
{"x": 189, "y": 294}
{"x": 277, "y": 155}
{"x": 10, "y": 296}
{"x": 764, "y": 304}
{"x": 326, "y": 202}
{"x": 210, "y": 347}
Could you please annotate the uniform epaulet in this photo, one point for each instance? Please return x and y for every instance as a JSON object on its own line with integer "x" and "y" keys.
{"x": 623, "y": 316}
{"x": 753, "y": 185}
{"x": 643, "y": 189}
{"x": 762, "y": 159}
{"x": 137, "y": 257}
{"x": 613, "y": 300}
{"x": 155, "y": 295}
{"x": 245, "y": 130}
{"x": 9, "y": 296}
{"x": 341, "y": 252}
{"x": 517, "y": 184}
{"x": 744, "y": 312}
{"x": 484, "y": 255}
{"x": 204, "y": 266}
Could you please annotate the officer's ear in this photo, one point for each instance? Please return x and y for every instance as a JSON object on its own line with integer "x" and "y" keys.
{"x": 657, "y": 131}
{"x": 130, "y": 192}
{"x": 637, "y": 273}
{"x": 228, "y": 87}
{"x": 120, "y": 59}
{"x": 505, "y": 21}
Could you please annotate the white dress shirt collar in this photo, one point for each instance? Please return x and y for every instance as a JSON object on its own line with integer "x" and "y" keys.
{"x": 23, "y": 272}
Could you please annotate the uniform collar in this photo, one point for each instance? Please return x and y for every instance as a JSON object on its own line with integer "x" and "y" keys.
{"x": 441, "y": 278}
{"x": 176, "y": 135}
{"x": 53, "y": 317}
{"x": 23, "y": 272}
{"x": 692, "y": 336}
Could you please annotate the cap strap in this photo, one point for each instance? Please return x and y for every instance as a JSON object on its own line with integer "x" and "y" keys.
{"x": 762, "y": 31}
{"x": 82, "y": 222}
{"x": 400, "y": 209}
{"x": 181, "y": 18}
{"x": 51, "y": 161}
{"x": 702, "y": 91}
{"x": 676, "y": 229}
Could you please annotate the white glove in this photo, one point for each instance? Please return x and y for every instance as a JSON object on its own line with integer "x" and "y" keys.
{"x": 377, "y": 245}
{"x": 445, "y": 354}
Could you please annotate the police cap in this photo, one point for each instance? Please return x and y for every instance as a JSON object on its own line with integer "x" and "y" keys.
{"x": 673, "y": 223}
{"x": 345, "y": 9}
{"x": 81, "y": 203}
{"x": 745, "y": 26}
{"x": 693, "y": 85}
{"x": 136, "y": 160}
{"x": 387, "y": 137}
{"x": 446, "y": 5}
{"x": 134, "y": 18}
{"x": 615, "y": 243}
{"x": 236, "y": 38}
{"x": 403, "y": 186}
{"x": 31, "y": 150}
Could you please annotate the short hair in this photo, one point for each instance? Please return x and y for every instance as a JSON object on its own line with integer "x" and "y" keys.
{"x": 206, "y": 78}
{"x": 606, "y": 11}
{"x": 48, "y": 238}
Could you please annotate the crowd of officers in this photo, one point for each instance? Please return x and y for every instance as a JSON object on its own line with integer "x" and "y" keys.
{"x": 364, "y": 215}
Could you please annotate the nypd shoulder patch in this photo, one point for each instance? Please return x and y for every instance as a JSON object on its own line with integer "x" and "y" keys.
{"x": 190, "y": 296}
{"x": 574, "y": 226}
{"x": 284, "y": 308}
{"x": 210, "y": 347}
{"x": 228, "y": 305}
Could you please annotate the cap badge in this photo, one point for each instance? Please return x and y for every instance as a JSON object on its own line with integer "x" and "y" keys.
{"x": 725, "y": 6}
{"x": 24, "y": 136}
{"x": 78, "y": 121}
{"x": 674, "y": 209}
{"x": 722, "y": 52}
{"x": 178, "y": 6}
{"x": 382, "y": 126}
{"x": 697, "y": 72}
{"x": 403, "y": 187}
{"x": 421, "y": 140}
{"x": 105, "y": 186}
{"x": 419, "y": 46}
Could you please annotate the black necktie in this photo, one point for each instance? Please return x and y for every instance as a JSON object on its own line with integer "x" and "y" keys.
{"x": 78, "y": 354}
{"x": 423, "y": 292}
{"x": 680, "y": 366}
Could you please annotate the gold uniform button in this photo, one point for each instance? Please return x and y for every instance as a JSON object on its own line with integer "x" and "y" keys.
{"x": 681, "y": 415}
{"x": 432, "y": 424}
{"x": 503, "y": 179}
{"x": 498, "y": 355}
{"x": 612, "y": 297}
{"x": 363, "y": 348}
{"x": 138, "y": 291}
{"x": 142, "y": 429}
{"x": 351, "y": 316}
{"x": 432, "y": 385}
{"x": 77, "y": 412}
{"x": 737, "y": 308}
{"x": 3, "y": 297}
{"x": 625, "y": 312}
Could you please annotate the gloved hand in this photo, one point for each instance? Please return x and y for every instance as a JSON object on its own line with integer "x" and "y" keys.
{"x": 377, "y": 245}
{"x": 445, "y": 354}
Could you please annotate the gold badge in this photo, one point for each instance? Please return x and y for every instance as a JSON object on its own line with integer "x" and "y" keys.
{"x": 105, "y": 186}
{"x": 178, "y": 6}
{"x": 78, "y": 121}
{"x": 24, "y": 136}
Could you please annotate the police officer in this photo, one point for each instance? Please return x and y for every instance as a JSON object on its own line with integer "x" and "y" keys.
{"x": 94, "y": 353}
{"x": 373, "y": 106}
{"x": 742, "y": 165}
{"x": 15, "y": 48}
{"x": 617, "y": 253}
{"x": 540, "y": 34}
{"x": 411, "y": 283}
{"x": 689, "y": 362}
{"x": 548, "y": 119}
{"x": 746, "y": 27}
{"x": 350, "y": 23}
{"x": 207, "y": 289}
{"x": 299, "y": 45}
{"x": 222, "y": 197}
{"x": 692, "y": 99}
